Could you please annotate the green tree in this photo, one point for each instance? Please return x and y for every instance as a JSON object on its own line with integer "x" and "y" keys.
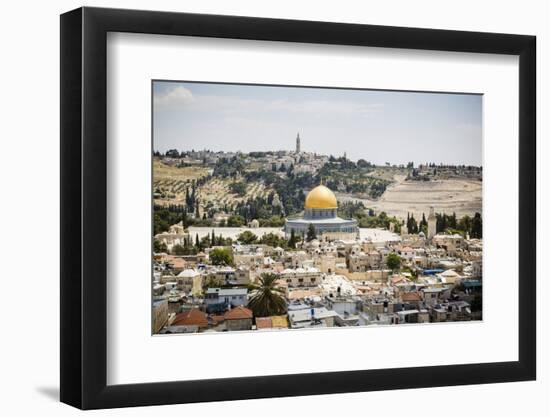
{"x": 273, "y": 221}
{"x": 477, "y": 227}
{"x": 423, "y": 222}
{"x": 205, "y": 242}
{"x": 247, "y": 237}
{"x": 178, "y": 250}
{"x": 465, "y": 223}
{"x": 311, "y": 233}
{"x": 273, "y": 240}
{"x": 187, "y": 197}
{"x": 393, "y": 261}
{"x": 235, "y": 221}
{"x": 452, "y": 221}
{"x": 238, "y": 188}
{"x": 293, "y": 240}
{"x": 159, "y": 246}
{"x": 424, "y": 229}
{"x": 266, "y": 297}
{"x": 221, "y": 256}
{"x": 396, "y": 225}
{"x": 172, "y": 153}
{"x": 213, "y": 282}
{"x": 412, "y": 225}
{"x": 441, "y": 223}
{"x": 164, "y": 217}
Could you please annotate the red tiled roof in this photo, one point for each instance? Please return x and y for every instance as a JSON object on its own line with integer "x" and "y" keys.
{"x": 238, "y": 313}
{"x": 175, "y": 261}
{"x": 217, "y": 318}
{"x": 193, "y": 317}
{"x": 398, "y": 279}
{"x": 411, "y": 296}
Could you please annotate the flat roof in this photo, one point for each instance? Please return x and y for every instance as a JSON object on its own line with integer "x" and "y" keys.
{"x": 305, "y": 314}
{"x": 227, "y": 291}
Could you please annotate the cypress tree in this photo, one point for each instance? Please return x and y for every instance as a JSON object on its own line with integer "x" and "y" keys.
{"x": 292, "y": 240}
{"x": 477, "y": 227}
{"x": 311, "y": 233}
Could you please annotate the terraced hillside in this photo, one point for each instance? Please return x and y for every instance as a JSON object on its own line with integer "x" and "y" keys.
{"x": 169, "y": 182}
{"x": 217, "y": 192}
{"x": 461, "y": 196}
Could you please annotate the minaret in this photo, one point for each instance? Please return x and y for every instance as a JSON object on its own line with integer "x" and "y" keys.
{"x": 298, "y": 143}
{"x": 432, "y": 222}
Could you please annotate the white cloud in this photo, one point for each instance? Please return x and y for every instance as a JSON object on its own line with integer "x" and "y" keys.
{"x": 178, "y": 96}
{"x": 242, "y": 105}
{"x": 175, "y": 97}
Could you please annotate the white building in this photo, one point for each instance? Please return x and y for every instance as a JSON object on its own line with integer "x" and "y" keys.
{"x": 229, "y": 296}
{"x": 312, "y": 317}
{"x": 301, "y": 277}
{"x": 190, "y": 281}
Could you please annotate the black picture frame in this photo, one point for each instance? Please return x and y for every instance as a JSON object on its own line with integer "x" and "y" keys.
{"x": 84, "y": 207}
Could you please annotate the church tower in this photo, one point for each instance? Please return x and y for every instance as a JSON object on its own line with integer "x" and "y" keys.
{"x": 298, "y": 143}
{"x": 432, "y": 222}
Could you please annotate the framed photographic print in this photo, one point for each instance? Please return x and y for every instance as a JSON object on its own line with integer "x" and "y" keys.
{"x": 318, "y": 206}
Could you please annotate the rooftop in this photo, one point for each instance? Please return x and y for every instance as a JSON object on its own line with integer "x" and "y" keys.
{"x": 227, "y": 291}
{"x": 193, "y": 317}
{"x": 188, "y": 273}
{"x": 238, "y": 313}
{"x": 411, "y": 296}
{"x": 305, "y": 314}
{"x": 272, "y": 322}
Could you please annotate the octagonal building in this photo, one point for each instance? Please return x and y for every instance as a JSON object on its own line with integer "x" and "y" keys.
{"x": 321, "y": 211}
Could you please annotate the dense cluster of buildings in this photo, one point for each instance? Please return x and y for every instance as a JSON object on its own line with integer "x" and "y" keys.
{"x": 339, "y": 278}
{"x": 300, "y": 161}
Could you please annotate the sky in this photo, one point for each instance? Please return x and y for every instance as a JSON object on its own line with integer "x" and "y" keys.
{"x": 378, "y": 126}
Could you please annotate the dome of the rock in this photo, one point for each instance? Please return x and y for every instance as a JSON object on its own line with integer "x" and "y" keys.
{"x": 321, "y": 197}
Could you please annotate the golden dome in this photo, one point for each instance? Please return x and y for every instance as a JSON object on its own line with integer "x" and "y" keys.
{"x": 321, "y": 198}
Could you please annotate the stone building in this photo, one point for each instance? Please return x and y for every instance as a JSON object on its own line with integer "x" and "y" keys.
{"x": 238, "y": 318}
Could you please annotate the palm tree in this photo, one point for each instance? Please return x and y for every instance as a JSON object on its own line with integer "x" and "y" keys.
{"x": 267, "y": 299}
